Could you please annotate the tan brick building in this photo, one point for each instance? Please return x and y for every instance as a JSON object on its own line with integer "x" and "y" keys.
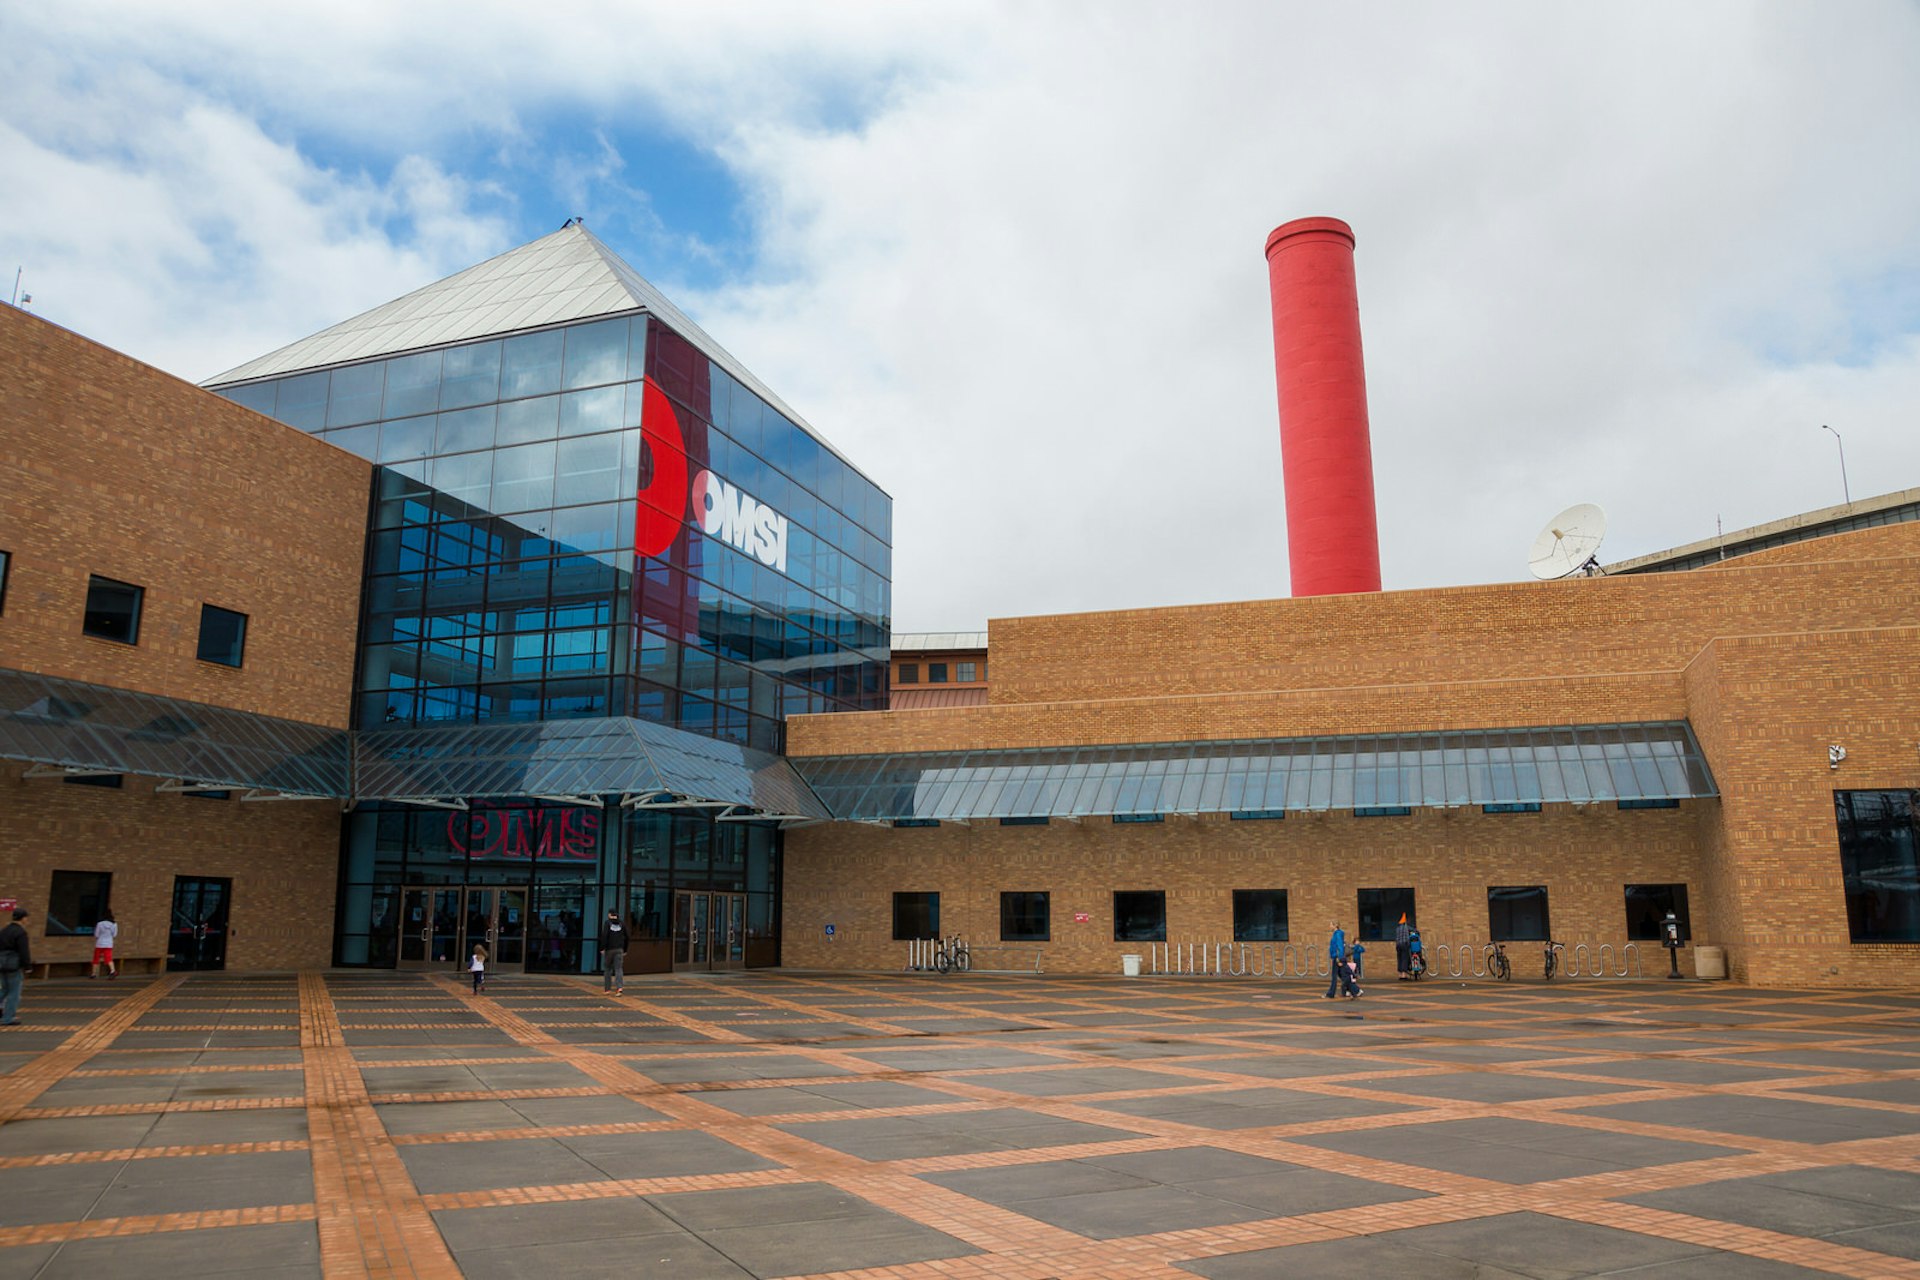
{"x": 112, "y": 470}
{"x": 1771, "y": 658}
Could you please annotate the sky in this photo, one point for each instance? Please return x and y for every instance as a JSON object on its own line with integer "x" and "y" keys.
{"x": 1008, "y": 258}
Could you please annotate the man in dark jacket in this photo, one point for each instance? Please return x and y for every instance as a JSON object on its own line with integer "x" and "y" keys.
{"x": 16, "y": 953}
{"x": 1403, "y": 948}
{"x": 613, "y": 954}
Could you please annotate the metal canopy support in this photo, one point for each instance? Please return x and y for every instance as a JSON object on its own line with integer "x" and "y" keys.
{"x": 432, "y": 802}
{"x": 585, "y": 802}
{"x": 181, "y": 786}
{"x": 258, "y": 794}
{"x": 66, "y": 771}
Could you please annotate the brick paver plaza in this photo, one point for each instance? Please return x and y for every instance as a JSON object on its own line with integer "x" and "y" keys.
{"x": 781, "y": 1124}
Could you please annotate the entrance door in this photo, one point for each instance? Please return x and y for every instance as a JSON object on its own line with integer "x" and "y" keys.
{"x": 709, "y": 931}
{"x": 439, "y": 926}
{"x": 197, "y": 937}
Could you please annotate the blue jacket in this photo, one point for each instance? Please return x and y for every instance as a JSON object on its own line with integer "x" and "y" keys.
{"x": 1337, "y": 945}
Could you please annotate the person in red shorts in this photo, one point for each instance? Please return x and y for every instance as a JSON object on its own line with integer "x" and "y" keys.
{"x": 103, "y": 935}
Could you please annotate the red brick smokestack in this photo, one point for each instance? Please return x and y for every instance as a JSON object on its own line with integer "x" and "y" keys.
{"x": 1333, "y": 546}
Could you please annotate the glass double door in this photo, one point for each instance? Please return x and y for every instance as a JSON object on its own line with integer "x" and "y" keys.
{"x": 197, "y": 937}
{"x": 440, "y": 925}
{"x": 709, "y": 931}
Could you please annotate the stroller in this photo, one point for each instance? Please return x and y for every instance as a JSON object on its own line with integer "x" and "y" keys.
{"x": 1417, "y": 956}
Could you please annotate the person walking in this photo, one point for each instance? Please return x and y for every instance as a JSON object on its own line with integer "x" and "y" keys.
{"x": 104, "y": 932}
{"x": 16, "y": 954}
{"x": 613, "y": 954}
{"x": 1403, "y": 948}
{"x": 1336, "y": 959}
{"x": 478, "y": 966}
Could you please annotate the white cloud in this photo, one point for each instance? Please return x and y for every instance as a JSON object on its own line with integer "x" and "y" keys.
{"x": 1009, "y": 257}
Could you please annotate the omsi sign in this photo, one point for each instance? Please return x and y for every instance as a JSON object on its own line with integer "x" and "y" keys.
{"x": 722, "y": 510}
{"x": 745, "y": 524}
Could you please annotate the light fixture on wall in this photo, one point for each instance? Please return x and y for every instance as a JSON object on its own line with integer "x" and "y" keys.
{"x": 1835, "y": 754}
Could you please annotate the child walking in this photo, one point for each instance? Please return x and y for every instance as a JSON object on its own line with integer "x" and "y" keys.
{"x": 478, "y": 966}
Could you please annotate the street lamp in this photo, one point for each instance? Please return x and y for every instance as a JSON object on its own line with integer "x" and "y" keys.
{"x": 1845, "y": 491}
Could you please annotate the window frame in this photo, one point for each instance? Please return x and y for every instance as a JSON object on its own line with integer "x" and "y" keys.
{"x": 1499, "y": 930}
{"x": 240, "y": 644}
{"x": 907, "y": 673}
{"x": 58, "y": 894}
{"x": 1243, "y": 901}
{"x": 1676, "y": 902}
{"x": 1140, "y": 927}
{"x": 1011, "y": 902}
{"x": 97, "y": 581}
{"x": 6, "y": 570}
{"x": 1388, "y": 910}
{"x": 1883, "y": 908}
{"x": 966, "y": 673}
{"x": 937, "y": 673}
{"x": 927, "y": 905}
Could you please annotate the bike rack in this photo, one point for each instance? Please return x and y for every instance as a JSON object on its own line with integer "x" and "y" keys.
{"x": 1600, "y": 962}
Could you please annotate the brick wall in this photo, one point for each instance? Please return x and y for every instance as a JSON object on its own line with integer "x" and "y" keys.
{"x": 110, "y": 467}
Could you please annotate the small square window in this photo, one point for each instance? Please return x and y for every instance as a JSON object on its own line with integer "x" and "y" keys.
{"x": 223, "y": 635}
{"x": 75, "y": 902}
{"x": 909, "y": 673}
{"x": 966, "y": 672}
{"x": 1024, "y": 917}
{"x": 1259, "y": 915}
{"x": 113, "y": 610}
{"x": 6, "y": 561}
{"x": 1380, "y": 912}
{"x": 1518, "y": 913}
{"x": 936, "y": 673}
{"x": 1647, "y": 906}
{"x": 915, "y": 915}
{"x": 1140, "y": 915}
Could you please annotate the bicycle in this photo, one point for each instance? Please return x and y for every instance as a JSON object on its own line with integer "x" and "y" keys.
{"x": 1497, "y": 963}
{"x": 952, "y": 954}
{"x": 1553, "y": 950}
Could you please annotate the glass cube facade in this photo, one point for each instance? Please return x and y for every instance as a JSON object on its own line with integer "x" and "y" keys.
{"x": 503, "y": 583}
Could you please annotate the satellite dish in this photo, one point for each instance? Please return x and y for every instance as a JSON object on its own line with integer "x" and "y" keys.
{"x": 1567, "y": 545}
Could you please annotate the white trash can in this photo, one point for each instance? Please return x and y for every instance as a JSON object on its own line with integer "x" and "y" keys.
{"x": 1710, "y": 962}
{"x": 1129, "y": 966}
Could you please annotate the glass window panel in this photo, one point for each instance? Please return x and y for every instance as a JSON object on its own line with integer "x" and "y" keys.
{"x": 530, "y": 365}
{"x": 597, "y": 353}
{"x": 591, "y": 412}
{"x": 413, "y": 385}
{"x": 302, "y": 401}
{"x": 590, "y": 528}
{"x": 355, "y": 396}
{"x": 588, "y": 470}
{"x": 463, "y": 430}
{"x": 521, "y": 421}
{"x": 466, "y": 476}
{"x": 470, "y": 375}
{"x": 406, "y": 440}
{"x": 362, "y": 442}
{"x": 523, "y": 478}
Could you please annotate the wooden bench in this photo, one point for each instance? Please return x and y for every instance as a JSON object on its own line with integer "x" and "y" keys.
{"x": 81, "y": 968}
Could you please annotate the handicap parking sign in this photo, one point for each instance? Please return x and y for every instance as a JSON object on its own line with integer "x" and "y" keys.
{"x": 829, "y": 931}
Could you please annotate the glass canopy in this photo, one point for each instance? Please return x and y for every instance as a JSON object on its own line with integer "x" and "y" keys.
{"x": 1577, "y": 763}
{"x": 646, "y": 763}
{"x": 91, "y": 728}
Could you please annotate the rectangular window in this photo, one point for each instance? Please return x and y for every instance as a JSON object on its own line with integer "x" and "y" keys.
{"x": 6, "y": 561}
{"x": 207, "y": 795}
{"x": 1139, "y": 817}
{"x": 1380, "y": 912}
{"x": 1139, "y": 915}
{"x": 113, "y": 610}
{"x": 75, "y": 902}
{"x": 966, "y": 672}
{"x": 936, "y": 673}
{"x": 223, "y": 636}
{"x": 1383, "y": 811}
{"x": 1024, "y": 918}
{"x": 1880, "y": 863}
{"x": 1023, "y": 822}
{"x": 909, "y": 673}
{"x": 916, "y": 915}
{"x": 1520, "y": 807}
{"x": 1647, "y": 804}
{"x": 916, "y": 822}
{"x": 1647, "y": 906}
{"x": 1256, "y": 815}
{"x": 93, "y": 780}
{"x": 1518, "y": 913}
{"x": 1259, "y": 915}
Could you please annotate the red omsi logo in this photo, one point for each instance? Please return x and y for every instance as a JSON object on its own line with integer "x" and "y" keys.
{"x": 722, "y": 510}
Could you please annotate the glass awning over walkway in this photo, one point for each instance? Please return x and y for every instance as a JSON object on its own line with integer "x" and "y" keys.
{"x": 74, "y": 727}
{"x": 1576, "y": 763}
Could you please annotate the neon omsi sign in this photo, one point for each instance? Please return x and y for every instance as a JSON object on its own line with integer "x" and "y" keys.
{"x": 722, "y": 510}
{"x": 520, "y": 834}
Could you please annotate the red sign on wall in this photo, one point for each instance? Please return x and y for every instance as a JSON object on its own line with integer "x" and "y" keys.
{"x": 522, "y": 833}
{"x": 1083, "y": 917}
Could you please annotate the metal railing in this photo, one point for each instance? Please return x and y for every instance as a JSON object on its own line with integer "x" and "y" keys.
{"x": 923, "y": 955}
{"x": 1194, "y": 958}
